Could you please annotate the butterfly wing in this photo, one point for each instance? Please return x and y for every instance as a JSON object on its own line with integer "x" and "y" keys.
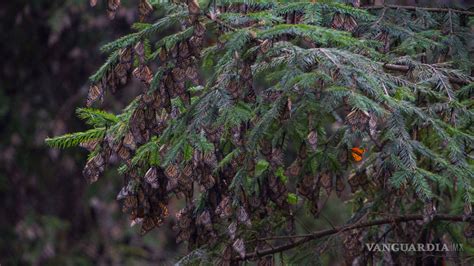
{"x": 357, "y": 154}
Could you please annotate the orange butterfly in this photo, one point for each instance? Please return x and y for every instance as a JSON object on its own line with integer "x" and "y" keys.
{"x": 357, "y": 153}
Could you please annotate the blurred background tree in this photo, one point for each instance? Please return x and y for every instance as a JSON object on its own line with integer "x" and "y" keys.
{"x": 48, "y": 214}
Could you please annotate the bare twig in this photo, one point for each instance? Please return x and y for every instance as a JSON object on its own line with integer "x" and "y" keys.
{"x": 405, "y": 68}
{"x": 319, "y": 234}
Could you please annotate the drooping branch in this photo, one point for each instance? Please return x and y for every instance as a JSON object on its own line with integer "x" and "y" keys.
{"x": 395, "y": 67}
{"x": 320, "y": 234}
{"x": 431, "y": 9}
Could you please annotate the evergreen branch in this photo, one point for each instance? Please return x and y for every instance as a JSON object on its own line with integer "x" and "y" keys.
{"x": 147, "y": 154}
{"x": 133, "y": 38}
{"x": 323, "y": 233}
{"x": 96, "y": 118}
{"x": 74, "y": 139}
{"x": 111, "y": 61}
{"x": 169, "y": 41}
{"x": 319, "y": 35}
{"x": 265, "y": 122}
{"x": 221, "y": 23}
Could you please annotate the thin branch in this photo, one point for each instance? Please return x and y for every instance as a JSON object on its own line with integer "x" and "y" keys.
{"x": 451, "y": 31}
{"x": 319, "y": 234}
{"x": 431, "y": 9}
{"x": 381, "y": 17}
{"x": 230, "y": 27}
{"x": 405, "y": 68}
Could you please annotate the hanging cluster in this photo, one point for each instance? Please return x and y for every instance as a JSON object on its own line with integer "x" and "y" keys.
{"x": 254, "y": 111}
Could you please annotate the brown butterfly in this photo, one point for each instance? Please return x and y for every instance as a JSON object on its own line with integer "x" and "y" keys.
{"x": 210, "y": 159}
{"x": 126, "y": 58}
{"x": 233, "y": 89}
{"x": 130, "y": 203}
{"x": 313, "y": 140}
{"x": 326, "y": 182}
{"x": 171, "y": 171}
{"x": 144, "y": 9}
{"x": 208, "y": 181}
{"x": 111, "y": 81}
{"x": 89, "y": 145}
{"x": 183, "y": 218}
{"x": 232, "y": 229}
{"x": 112, "y": 6}
{"x": 356, "y": 180}
{"x": 192, "y": 74}
{"x": 224, "y": 209}
{"x": 121, "y": 73}
{"x": 467, "y": 213}
{"x": 349, "y": 23}
{"x": 164, "y": 210}
{"x": 199, "y": 29}
{"x": 239, "y": 247}
{"x": 338, "y": 20}
{"x": 204, "y": 219}
{"x": 144, "y": 74}
{"x": 183, "y": 49}
{"x": 246, "y": 72}
{"x": 255, "y": 202}
{"x": 188, "y": 170}
{"x": 125, "y": 191}
{"x": 469, "y": 230}
{"x": 149, "y": 223}
{"x": 243, "y": 217}
{"x": 129, "y": 141}
{"x": 178, "y": 74}
{"x": 139, "y": 49}
{"x": 124, "y": 153}
{"x": 136, "y": 221}
{"x": 340, "y": 186}
{"x": 357, "y": 119}
{"x": 94, "y": 167}
{"x": 250, "y": 96}
{"x": 172, "y": 184}
{"x": 265, "y": 46}
{"x": 429, "y": 211}
{"x": 151, "y": 177}
{"x": 294, "y": 169}
{"x": 305, "y": 186}
{"x": 91, "y": 173}
{"x": 96, "y": 92}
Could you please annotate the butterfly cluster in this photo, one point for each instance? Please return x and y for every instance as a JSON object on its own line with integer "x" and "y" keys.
{"x": 253, "y": 113}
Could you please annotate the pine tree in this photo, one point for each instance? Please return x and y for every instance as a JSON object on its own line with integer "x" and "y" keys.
{"x": 255, "y": 111}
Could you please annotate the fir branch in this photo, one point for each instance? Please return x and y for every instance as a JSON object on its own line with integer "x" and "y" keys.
{"x": 96, "y": 118}
{"x": 74, "y": 139}
{"x": 147, "y": 31}
{"x": 147, "y": 154}
{"x": 319, "y": 35}
{"x": 171, "y": 40}
{"x": 109, "y": 64}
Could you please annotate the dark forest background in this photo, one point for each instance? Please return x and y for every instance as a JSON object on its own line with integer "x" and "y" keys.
{"x": 48, "y": 213}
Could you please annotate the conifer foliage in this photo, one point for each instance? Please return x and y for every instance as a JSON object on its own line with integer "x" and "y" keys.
{"x": 255, "y": 112}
